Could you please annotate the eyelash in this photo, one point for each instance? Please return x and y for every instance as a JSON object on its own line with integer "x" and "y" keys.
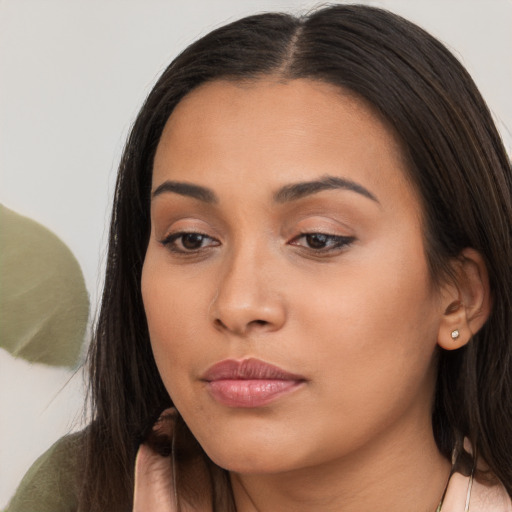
{"x": 333, "y": 242}
{"x": 337, "y": 242}
{"x": 170, "y": 242}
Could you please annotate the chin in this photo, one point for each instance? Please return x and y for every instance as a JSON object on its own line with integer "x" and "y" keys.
{"x": 244, "y": 463}
{"x": 250, "y": 455}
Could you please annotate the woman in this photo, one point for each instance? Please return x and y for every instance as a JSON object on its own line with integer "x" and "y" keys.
{"x": 308, "y": 280}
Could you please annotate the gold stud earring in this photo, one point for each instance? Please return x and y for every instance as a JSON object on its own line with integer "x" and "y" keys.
{"x": 455, "y": 334}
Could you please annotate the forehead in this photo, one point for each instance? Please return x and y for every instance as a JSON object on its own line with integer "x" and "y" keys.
{"x": 269, "y": 132}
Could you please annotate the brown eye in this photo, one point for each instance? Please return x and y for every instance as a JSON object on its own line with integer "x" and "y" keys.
{"x": 188, "y": 242}
{"x": 322, "y": 242}
{"x": 192, "y": 241}
{"x": 317, "y": 240}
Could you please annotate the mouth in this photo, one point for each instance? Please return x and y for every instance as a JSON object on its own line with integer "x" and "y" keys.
{"x": 249, "y": 383}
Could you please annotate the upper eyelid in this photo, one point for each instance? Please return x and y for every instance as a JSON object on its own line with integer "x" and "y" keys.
{"x": 301, "y": 232}
{"x": 316, "y": 220}
{"x": 177, "y": 234}
{"x": 345, "y": 239}
{"x": 169, "y": 243}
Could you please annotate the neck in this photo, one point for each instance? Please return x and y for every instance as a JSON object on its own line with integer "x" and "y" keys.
{"x": 398, "y": 471}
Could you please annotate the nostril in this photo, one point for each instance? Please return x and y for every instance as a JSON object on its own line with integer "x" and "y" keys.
{"x": 218, "y": 323}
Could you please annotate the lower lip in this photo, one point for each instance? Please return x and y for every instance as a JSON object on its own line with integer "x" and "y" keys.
{"x": 250, "y": 393}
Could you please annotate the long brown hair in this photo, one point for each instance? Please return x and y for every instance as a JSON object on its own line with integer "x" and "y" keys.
{"x": 456, "y": 161}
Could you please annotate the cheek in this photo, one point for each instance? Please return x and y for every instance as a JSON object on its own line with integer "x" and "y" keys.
{"x": 377, "y": 323}
{"x": 378, "y": 292}
{"x": 172, "y": 310}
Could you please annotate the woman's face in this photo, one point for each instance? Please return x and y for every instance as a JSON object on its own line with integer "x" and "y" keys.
{"x": 288, "y": 298}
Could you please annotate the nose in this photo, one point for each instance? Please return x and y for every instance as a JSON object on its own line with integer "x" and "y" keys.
{"x": 248, "y": 300}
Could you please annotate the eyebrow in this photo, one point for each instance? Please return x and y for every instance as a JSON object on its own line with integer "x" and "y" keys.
{"x": 285, "y": 194}
{"x": 299, "y": 190}
{"x": 187, "y": 189}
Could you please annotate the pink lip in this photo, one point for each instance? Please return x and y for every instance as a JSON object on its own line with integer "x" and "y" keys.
{"x": 249, "y": 383}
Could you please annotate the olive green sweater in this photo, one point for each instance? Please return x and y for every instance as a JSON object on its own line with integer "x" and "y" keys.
{"x": 50, "y": 484}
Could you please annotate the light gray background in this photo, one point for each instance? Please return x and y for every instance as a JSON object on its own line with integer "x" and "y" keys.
{"x": 73, "y": 74}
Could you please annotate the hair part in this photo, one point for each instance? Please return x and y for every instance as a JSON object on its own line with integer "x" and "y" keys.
{"x": 457, "y": 164}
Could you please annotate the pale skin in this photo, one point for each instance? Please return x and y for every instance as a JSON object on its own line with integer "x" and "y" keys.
{"x": 332, "y": 284}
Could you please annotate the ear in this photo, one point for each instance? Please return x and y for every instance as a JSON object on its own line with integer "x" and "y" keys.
{"x": 467, "y": 301}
